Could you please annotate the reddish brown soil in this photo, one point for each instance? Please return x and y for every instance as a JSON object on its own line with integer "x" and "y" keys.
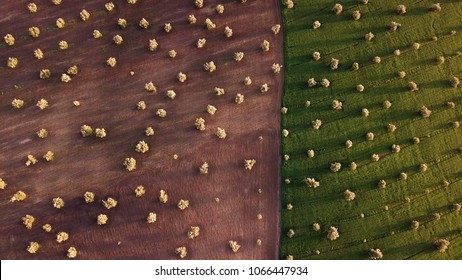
{"x": 108, "y": 97}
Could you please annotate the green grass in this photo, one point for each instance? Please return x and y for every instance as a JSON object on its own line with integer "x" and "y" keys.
{"x": 420, "y": 196}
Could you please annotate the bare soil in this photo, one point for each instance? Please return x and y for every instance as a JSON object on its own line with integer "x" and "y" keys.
{"x": 108, "y": 98}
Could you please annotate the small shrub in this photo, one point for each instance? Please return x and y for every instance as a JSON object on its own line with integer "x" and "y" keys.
{"x": 58, "y": 202}
{"x": 412, "y": 86}
{"x": 209, "y": 24}
{"x": 31, "y": 160}
{"x": 337, "y": 9}
{"x": 356, "y": 15}
{"x": 370, "y": 136}
{"x": 220, "y": 9}
{"x": 63, "y": 45}
{"x": 183, "y": 204}
{"x": 9, "y": 39}
{"x": 204, "y": 168}
{"x": 60, "y": 23}
{"x": 425, "y": 112}
{"x": 149, "y": 131}
{"x": 375, "y": 254}
{"x": 140, "y": 191}
{"x": 201, "y": 43}
{"x": 264, "y": 88}
{"x": 38, "y": 54}
{"x": 247, "y": 81}
{"x": 84, "y": 15}
{"x": 348, "y": 144}
{"x": 130, "y": 164}
{"x": 12, "y": 62}
{"x": 109, "y": 203}
{"x": 332, "y": 233}
{"x": 239, "y": 98}
{"x": 49, "y": 156}
{"x": 316, "y": 124}
{"x": 199, "y": 3}
{"x": 193, "y": 232}
{"x": 163, "y": 197}
{"x": 423, "y": 167}
{"x": 219, "y": 91}
{"x": 391, "y": 127}
{"x": 265, "y": 46}
{"x": 249, "y": 163}
{"x": 151, "y": 218}
{"x": 97, "y": 34}
{"x": 386, "y": 104}
{"x": 62, "y": 236}
{"x": 117, "y": 39}
{"x": 101, "y": 219}
{"x": 18, "y": 196}
{"x": 369, "y": 36}
{"x": 161, "y": 113}
{"x": 72, "y": 251}
{"x": 415, "y": 225}
{"x": 172, "y": 53}
{"x": 32, "y": 7}
{"x": 34, "y": 32}
{"x": 455, "y": 82}
{"x": 142, "y": 147}
{"x": 153, "y": 45}
{"x": 3, "y": 184}
{"x": 228, "y": 32}
{"x": 401, "y": 9}
{"x": 150, "y": 87}
{"x": 436, "y": 7}
{"x": 220, "y": 133}
{"x": 353, "y": 166}
{"x": 28, "y": 221}
{"x": 316, "y": 24}
{"x": 311, "y": 182}
{"x": 349, "y": 195}
{"x": 89, "y": 197}
{"x": 334, "y": 63}
{"x": 109, "y": 6}
{"x": 17, "y": 103}
{"x": 276, "y": 68}
{"x": 441, "y": 245}
{"x": 335, "y": 167}
{"x": 394, "y": 26}
{"x": 86, "y": 130}
{"x": 181, "y": 77}
{"x": 210, "y": 66}
{"x": 182, "y": 252}
{"x": 276, "y": 28}
{"x": 234, "y": 246}
{"x": 316, "y": 56}
{"x": 192, "y": 19}
{"x": 33, "y": 247}
{"x": 143, "y": 23}
{"x": 311, "y": 82}
{"x": 211, "y": 109}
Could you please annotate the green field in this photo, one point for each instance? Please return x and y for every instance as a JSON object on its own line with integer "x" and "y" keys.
{"x": 425, "y": 196}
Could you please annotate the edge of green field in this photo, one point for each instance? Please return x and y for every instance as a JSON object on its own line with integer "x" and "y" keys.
{"x": 427, "y": 197}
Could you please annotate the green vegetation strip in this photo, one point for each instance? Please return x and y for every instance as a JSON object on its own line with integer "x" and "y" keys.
{"x": 404, "y": 185}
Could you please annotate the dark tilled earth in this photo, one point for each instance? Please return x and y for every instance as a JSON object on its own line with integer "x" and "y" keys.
{"x": 108, "y": 98}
